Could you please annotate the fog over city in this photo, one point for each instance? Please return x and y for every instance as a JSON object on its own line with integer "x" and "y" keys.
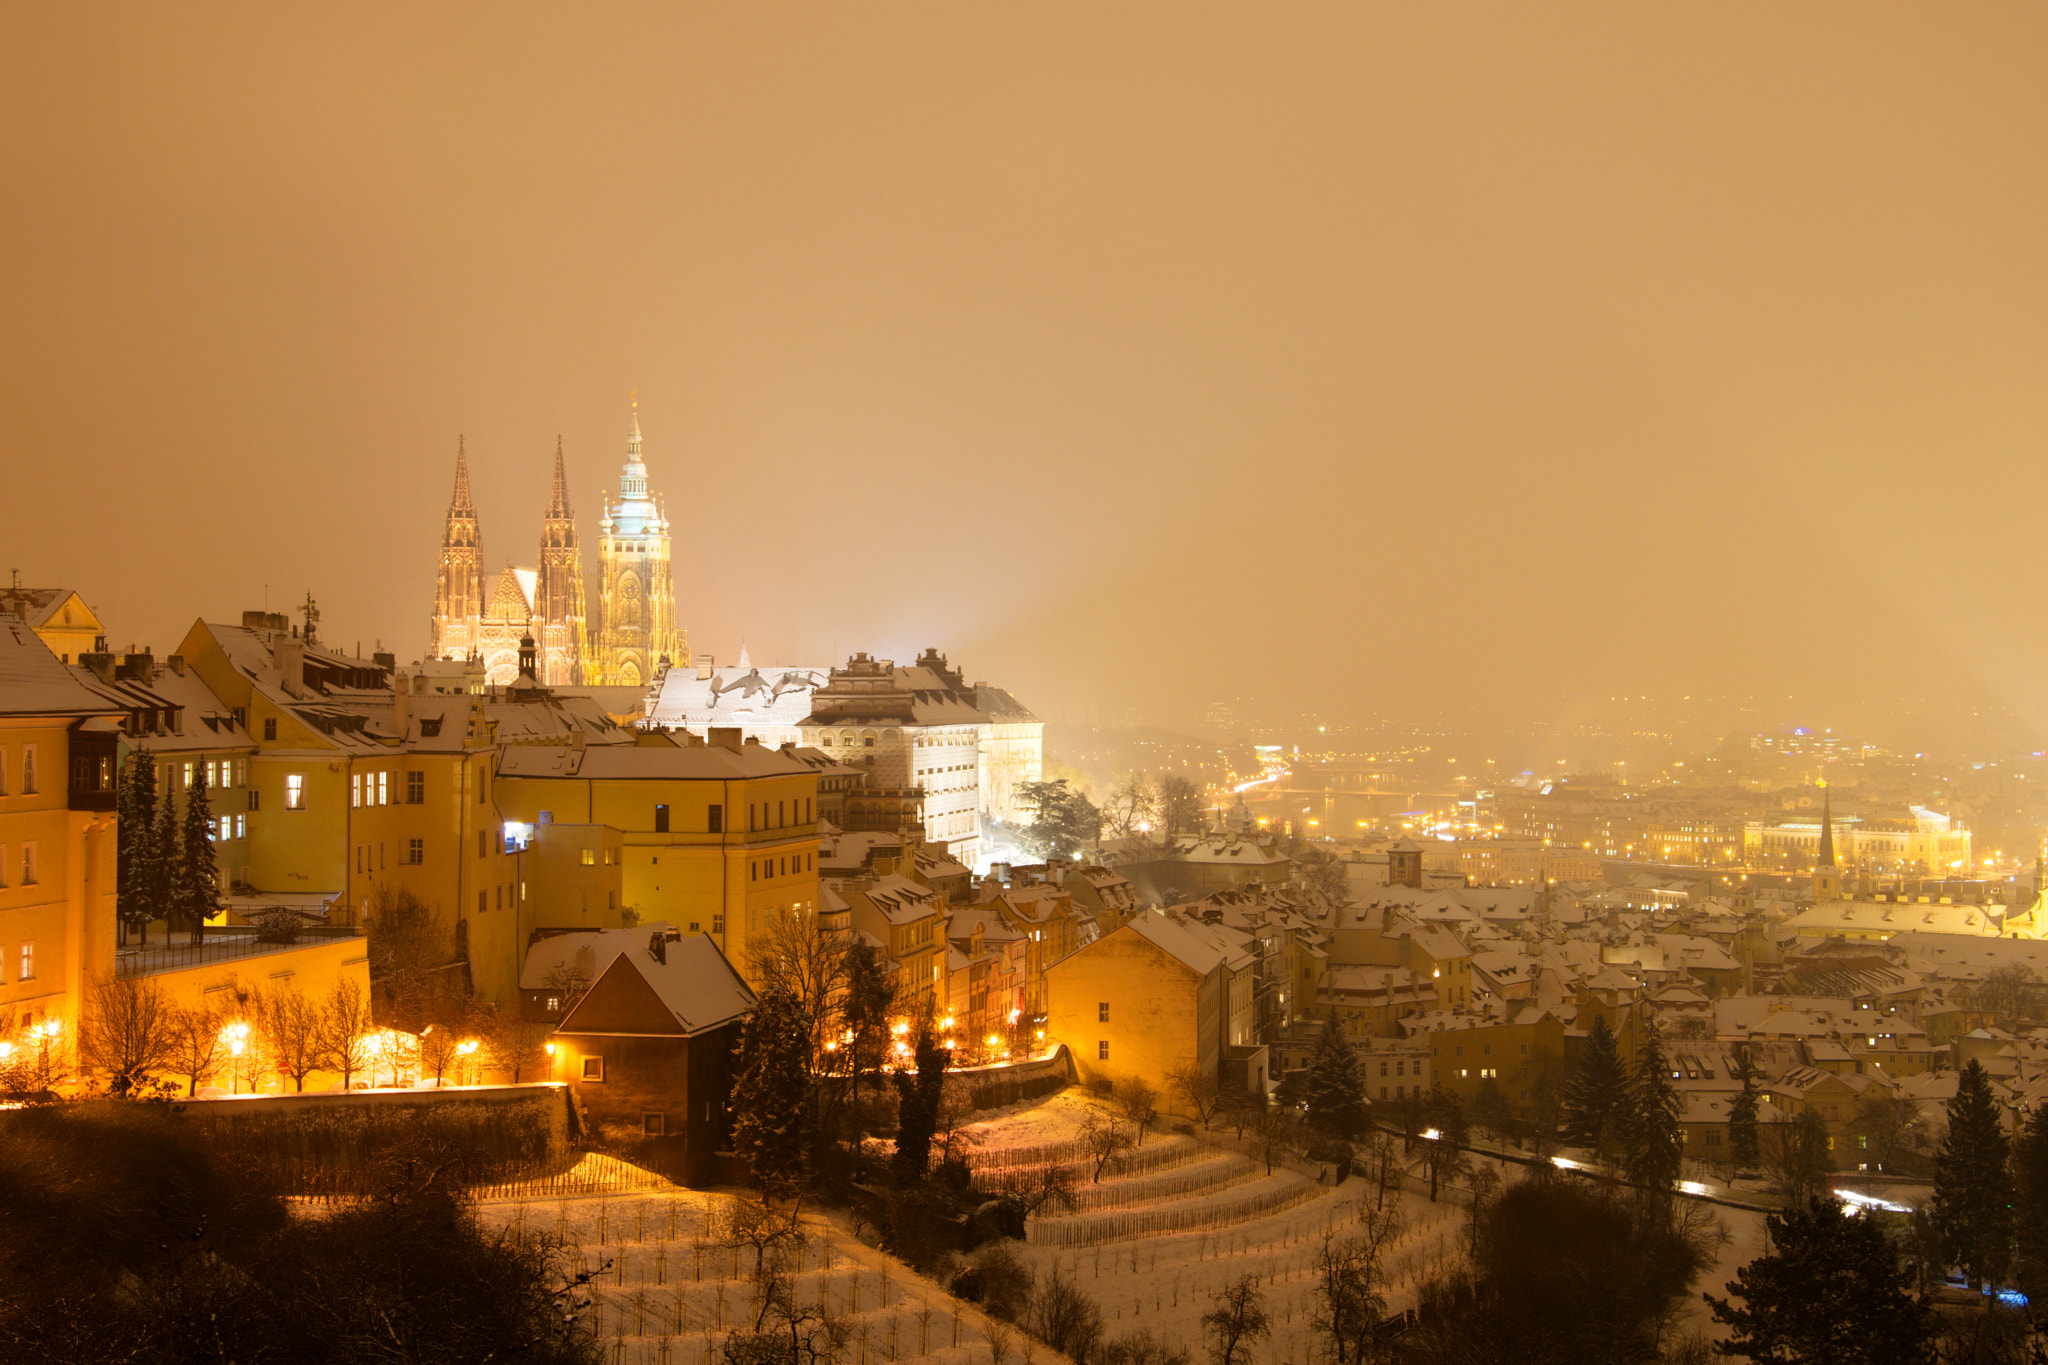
{"x": 1368, "y": 360}
{"x": 1045, "y": 684}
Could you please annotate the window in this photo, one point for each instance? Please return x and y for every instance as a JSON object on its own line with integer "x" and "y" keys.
{"x": 652, "y": 1125}
{"x": 255, "y": 799}
{"x": 479, "y": 843}
{"x": 1102, "y": 1047}
{"x": 415, "y": 789}
{"x": 241, "y": 826}
{"x": 415, "y": 852}
{"x": 3, "y": 879}
{"x": 355, "y": 790}
{"x": 1383, "y": 1071}
{"x": 294, "y": 791}
{"x": 718, "y": 924}
{"x": 661, "y": 819}
{"x": 383, "y": 789}
{"x": 590, "y": 857}
{"x": 28, "y": 770}
{"x": 28, "y": 963}
{"x": 28, "y": 868}
{"x": 714, "y": 819}
{"x": 554, "y": 1004}
{"x": 593, "y": 1068}
{"x": 270, "y": 727}
{"x": 753, "y": 870}
{"x": 483, "y": 902}
{"x": 1102, "y": 1012}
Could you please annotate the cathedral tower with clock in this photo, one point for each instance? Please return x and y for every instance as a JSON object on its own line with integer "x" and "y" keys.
{"x": 637, "y": 632}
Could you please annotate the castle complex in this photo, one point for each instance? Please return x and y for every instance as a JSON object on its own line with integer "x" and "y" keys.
{"x": 635, "y": 630}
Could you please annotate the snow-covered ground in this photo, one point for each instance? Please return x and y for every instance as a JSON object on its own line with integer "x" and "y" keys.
{"x": 1167, "y": 1226}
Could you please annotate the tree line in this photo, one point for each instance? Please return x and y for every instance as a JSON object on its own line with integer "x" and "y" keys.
{"x": 164, "y": 862}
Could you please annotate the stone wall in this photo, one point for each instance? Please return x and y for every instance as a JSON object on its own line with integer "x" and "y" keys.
{"x": 334, "y": 1143}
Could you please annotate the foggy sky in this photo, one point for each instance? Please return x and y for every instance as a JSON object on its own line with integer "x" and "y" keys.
{"x": 1383, "y": 356}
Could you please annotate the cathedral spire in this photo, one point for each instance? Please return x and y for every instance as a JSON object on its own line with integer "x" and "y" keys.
{"x": 1826, "y": 857}
{"x": 461, "y": 505}
{"x": 558, "y": 498}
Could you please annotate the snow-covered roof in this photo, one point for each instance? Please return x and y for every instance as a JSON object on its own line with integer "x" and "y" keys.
{"x": 745, "y": 696}
{"x": 691, "y": 979}
{"x": 647, "y": 762}
{"x": 1201, "y": 948}
{"x": 34, "y": 683}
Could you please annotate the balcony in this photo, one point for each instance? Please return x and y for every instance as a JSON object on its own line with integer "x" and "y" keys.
{"x": 221, "y": 945}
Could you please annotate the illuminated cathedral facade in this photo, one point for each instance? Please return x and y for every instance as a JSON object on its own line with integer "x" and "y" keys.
{"x": 489, "y": 617}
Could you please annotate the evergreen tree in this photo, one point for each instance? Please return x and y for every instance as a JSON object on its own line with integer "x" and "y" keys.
{"x": 196, "y": 892}
{"x": 138, "y": 896}
{"x": 771, "y": 1093}
{"x": 166, "y": 845}
{"x": 1654, "y": 1151}
{"x": 2030, "y": 1207}
{"x": 1743, "y": 1148}
{"x": 1830, "y": 1290}
{"x": 917, "y": 1106}
{"x": 1973, "y": 1190}
{"x": 1062, "y": 820}
{"x": 1334, "y": 1092}
{"x": 1596, "y": 1099}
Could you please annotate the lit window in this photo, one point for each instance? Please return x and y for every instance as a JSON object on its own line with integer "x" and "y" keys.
{"x": 590, "y": 857}
{"x": 28, "y": 963}
{"x": 355, "y": 790}
{"x": 294, "y": 791}
{"x": 383, "y": 789}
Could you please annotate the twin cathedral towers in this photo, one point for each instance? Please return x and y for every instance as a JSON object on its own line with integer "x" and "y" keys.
{"x": 633, "y": 631}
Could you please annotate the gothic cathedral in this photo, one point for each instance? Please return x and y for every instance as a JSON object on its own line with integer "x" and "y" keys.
{"x": 636, "y": 634}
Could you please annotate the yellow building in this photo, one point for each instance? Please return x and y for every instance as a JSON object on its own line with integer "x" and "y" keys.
{"x": 715, "y": 837}
{"x": 1044, "y": 915}
{"x": 58, "y": 763}
{"x": 292, "y": 699}
{"x": 1466, "y": 1051}
{"x": 909, "y": 919}
{"x": 59, "y": 617}
{"x": 173, "y": 719}
{"x": 1153, "y": 998}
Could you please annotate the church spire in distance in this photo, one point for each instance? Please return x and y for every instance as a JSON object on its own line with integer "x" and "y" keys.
{"x": 461, "y": 505}
{"x": 558, "y": 499}
{"x": 1827, "y": 828}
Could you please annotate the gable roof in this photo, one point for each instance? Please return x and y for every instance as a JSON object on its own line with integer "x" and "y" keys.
{"x": 34, "y": 683}
{"x": 691, "y": 989}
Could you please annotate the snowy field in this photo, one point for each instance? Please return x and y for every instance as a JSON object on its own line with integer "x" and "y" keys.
{"x": 669, "y": 1291}
{"x": 1168, "y": 1225}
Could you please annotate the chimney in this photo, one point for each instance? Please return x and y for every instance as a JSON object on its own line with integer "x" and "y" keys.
{"x": 401, "y": 704}
{"x": 705, "y": 665}
{"x": 385, "y": 659}
{"x": 724, "y": 736}
{"x": 657, "y": 946}
{"x": 101, "y": 665}
{"x": 176, "y": 663}
{"x": 289, "y": 652}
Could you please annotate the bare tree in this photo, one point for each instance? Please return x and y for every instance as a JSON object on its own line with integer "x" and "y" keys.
{"x": 1140, "y": 1103}
{"x": 345, "y": 1031}
{"x": 1104, "y": 1139}
{"x": 1381, "y": 1163}
{"x": 195, "y": 1044}
{"x": 568, "y": 982}
{"x": 1796, "y": 1155}
{"x": 1198, "y": 1089}
{"x": 1890, "y": 1123}
{"x": 411, "y": 958}
{"x": 1236, "y": 1319}
{"x": 513, "y": 1043}
{"x": 125, "y": 1031}
{"x": 754, "y": 1223}
{"x": 1351, "y": 1289}
{"x": 1066, "y": 1319}
{"x": 2009, "y": 994}
{"x": 1131, "y": 806}
{"x": 289, "y": 1026}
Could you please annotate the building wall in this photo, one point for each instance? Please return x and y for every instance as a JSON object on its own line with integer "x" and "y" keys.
{"x": 686, "y": 1081}
{"x": 1160, "y": 1016}
{"x": 65, "y": 916}
{"x": 726, "y": 884}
